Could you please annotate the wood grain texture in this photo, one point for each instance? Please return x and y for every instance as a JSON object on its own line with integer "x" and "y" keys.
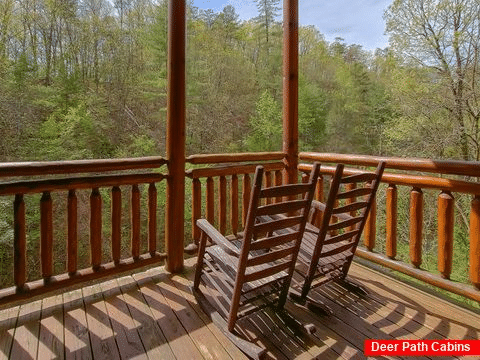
{"x": 153, "y": 314}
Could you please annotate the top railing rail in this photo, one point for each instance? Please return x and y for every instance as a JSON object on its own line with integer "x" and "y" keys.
{"x": 41, "y": 168}
{"x": 234, "y": 158}
{"x": 451, "y": 167}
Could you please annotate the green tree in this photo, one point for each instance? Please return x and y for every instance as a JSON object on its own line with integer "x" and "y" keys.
{"x": 266, "y": 125}
{"x": 442, "y": 35}
{"x": 268, "y": 10}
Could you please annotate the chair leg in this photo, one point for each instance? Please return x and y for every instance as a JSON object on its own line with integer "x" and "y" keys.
{"x": 251, "y": 350}
{"x": 200, "y": 255}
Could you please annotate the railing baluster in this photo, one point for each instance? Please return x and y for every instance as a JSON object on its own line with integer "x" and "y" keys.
{"x": 46, "y": 236}
{"x": 370, "y": 231}
{"x": 333, "y": 219}
{"x": 116, "y": 223}
{"x": 246, "y": 197}
{"x": 416, "y": 226}
{"x": 19, "y": 242}
{"x": 135, "y": 208}
{"x": 304, "y": 178}
{"x": 278, "y": 182}
{"x": 222, "y": 204}
{"x": 72, "y": 237}
{"x": 319, "y": 197}
{"x": 391, "y": 226}
{"x": 446, "y": 224}
{"x": 210, "y": 200}
{"x": 268, "y": 183}
{"x": 196, "y": 208}
{"x": 349, "y": 187}
{"x": 234, "y": 204}
{"x": 152, "y": 219}
{"x": 475, "y": 242}
{"x": 96, "y": 228}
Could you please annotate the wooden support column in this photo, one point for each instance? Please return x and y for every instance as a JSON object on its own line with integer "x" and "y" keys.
{"x": 175, "y": 206}
{"x": 290, "y": 89}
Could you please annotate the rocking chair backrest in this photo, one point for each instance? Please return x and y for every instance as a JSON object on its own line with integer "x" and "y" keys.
{"x": 345, "y": 214}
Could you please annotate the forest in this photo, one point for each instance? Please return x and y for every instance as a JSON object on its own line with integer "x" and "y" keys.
{"x": 85, "y": 79}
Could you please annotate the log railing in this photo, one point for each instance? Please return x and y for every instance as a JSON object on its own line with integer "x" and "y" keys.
{"x": 21, "y": 180}
{"x": 418, "y": 184}
{"x": 220, "y": 192}
{"x": 221, "y": 188}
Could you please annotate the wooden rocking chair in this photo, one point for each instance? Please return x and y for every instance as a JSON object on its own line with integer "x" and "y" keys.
{"x": 327, "y": 252}
{"x": 254, "y": 270}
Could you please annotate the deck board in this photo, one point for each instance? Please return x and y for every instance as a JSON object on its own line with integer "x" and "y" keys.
{"x": 51, "y": 338}
{"x": 153, "y": 315}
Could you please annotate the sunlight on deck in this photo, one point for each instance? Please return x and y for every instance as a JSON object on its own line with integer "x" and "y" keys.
{"x": 154, "y": 315}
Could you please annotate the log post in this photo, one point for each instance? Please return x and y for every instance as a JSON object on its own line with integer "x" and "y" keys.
{"x": 19, "y": 243}
{"x": 234, "y": 204}
{"x": 116, "y": 224}
{"x": 475, "y": 242}
{"x": 391, "y": 228}
{"x": 370, "y": 231}
{"x": 290, "y": 89}
{"x": 152, "y": 219}
{"x": 318, "y": 215}
{"x": 350, "y": 187}
{"x": 96, "y": 228}
{"x": 46, "y": 235}
{"x": 416, "y": 226}
{"x": 222, "y": 204}
{"x": 196, "y": 209}
{"x": 175, "y": 139}
{"x": 278, "y": 182}
{"x": 210, "y": 200}
{"x": 246, "y": 188}
{"x": 72, "y": 224}
{"x": 446, "y": 224}
{"x": 135, "y": 221}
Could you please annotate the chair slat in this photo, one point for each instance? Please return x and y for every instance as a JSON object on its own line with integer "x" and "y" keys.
{"x": 341, "y": 237}
{"x": 337, "y": 250}
{"x": 345, "y": 223}
{"x": 364, "y": 177}
{"x": 350, "y": 207}
{"x": 285, "y": 190}
{"x": 355, "y": 193}
{"x": 266, "y": 272}
{"x": 277, "y": 240}
{"x": 281, "y": 208}
{"x": 277, "y": 224}
{"x": 270, "y": 256}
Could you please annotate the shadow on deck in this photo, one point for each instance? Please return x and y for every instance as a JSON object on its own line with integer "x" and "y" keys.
{"x": 154, "y": 315}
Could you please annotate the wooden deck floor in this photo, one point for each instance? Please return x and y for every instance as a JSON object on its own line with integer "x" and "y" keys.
{"x": 153, "y": 315}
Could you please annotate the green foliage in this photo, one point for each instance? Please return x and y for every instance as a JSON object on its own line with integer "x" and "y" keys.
{"x": 266, "y": 125}
{"x": 312, "y": 114}
{"x": 69, "y": 136}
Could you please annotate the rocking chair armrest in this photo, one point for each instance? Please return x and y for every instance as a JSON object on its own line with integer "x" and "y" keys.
{"x": 217, "y": 237}
{"x": 317, "y": 205}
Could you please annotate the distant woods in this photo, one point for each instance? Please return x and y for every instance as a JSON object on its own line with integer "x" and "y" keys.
{"x": 87, "y": 79}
